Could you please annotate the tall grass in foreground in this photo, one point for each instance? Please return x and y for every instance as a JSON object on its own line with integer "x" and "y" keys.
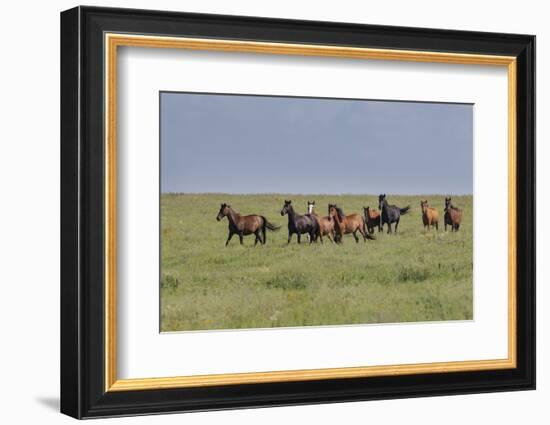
{"x": 415, "y": 275}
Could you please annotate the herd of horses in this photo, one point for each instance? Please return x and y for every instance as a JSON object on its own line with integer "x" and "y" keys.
{"x": 335, "y": 224}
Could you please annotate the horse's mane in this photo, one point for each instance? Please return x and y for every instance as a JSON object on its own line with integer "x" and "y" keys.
{"x": 341, "y": 214}
{"x": 232, "y": 210}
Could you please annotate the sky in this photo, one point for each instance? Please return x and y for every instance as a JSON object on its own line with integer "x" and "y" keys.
{"x": 218, "y": 143}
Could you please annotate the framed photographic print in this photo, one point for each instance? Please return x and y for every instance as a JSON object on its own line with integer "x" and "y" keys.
{"x": 261, "y": 212}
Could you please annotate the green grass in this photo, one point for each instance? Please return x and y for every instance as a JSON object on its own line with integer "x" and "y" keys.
{"x": 415, "y": 275}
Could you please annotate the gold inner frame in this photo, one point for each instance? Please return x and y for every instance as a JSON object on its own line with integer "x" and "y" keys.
{"x": 113, "y": 41}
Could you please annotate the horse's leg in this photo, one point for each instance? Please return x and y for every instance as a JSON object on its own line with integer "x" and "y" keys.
{"x": 229, "y": 238}
{"x": 363, "y": 234}
{"x": 355, "y": 236}
{"x": 299, "y": 236}
{"x": 289, "y": 237}
{"x": 396, "y": 224}
{"x": 258, "y": 238}
{"x": 389, "y": 227}
{"x": 264, "y": 234}
{"x": 437, "y": 226}
{"x": 241, "y": 237}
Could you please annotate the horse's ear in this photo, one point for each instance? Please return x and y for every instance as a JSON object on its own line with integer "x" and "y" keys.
{"x": 313, "y": 202}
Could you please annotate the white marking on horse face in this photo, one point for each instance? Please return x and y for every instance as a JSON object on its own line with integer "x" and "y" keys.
{"x": 310, "y": 208}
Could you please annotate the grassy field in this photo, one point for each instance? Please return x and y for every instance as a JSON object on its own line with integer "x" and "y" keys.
{"x": 415, "y": 275}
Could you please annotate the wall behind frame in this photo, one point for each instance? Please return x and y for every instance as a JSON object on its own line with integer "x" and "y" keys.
{"x": 29, "y": 176}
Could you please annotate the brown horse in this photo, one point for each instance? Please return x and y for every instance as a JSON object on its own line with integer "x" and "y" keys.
{"x": 453, "y": 215}
{"x": 245, "y": 225}
{"x": 326, "y": 224}
{"x": 372, "y": 219}
{"x": 430, "y": 216}
{"x": 344, "y": 224}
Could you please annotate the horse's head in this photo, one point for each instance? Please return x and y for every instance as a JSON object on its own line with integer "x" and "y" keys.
{"x": 333, "y": 210}
{"x": 424, "y": 205}
{"x": 381, "y": 200}
{"x": 224, "y": 210}
{"x": 286, "y": 208}
{"x": 366, "y": 211}
{"x": 310, "y": 207}
{"x": 447, "y": 203}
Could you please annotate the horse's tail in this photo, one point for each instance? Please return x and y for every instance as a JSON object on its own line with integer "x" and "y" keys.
{"x": 404, "y": 210}
{"x": 269, "y": 225}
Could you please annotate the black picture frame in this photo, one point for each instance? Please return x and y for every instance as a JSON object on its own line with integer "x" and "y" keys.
{"x": 82, "y": 219}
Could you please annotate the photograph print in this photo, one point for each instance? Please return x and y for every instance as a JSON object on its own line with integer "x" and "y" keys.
{"x": 280, "y": 211}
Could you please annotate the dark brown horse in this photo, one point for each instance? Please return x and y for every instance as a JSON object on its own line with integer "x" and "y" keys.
{"x": 245, "y": 225}
{"x": 326, "y": 223}
{"x": 390, "y": 213}
{"x": 453, "y": 215}
{"x": 430, "y": 216}
{"x": 344, "y": 224}
{"x": 300, "y": 224}
{"x": 372, "y": 219}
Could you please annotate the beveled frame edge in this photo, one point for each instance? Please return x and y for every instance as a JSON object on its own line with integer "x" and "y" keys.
{"x": 114, "y": 40}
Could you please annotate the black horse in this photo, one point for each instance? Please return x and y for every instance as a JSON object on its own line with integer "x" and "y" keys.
{"x": 300, "y": 224}
{"x": 390, "y": 213}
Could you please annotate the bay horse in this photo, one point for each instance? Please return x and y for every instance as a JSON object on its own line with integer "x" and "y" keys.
{"x": 300, "y": 224}
{"x": 453, "y": 215}
{"x": 430, "y": 216}
{"x": 245, "y": 225}
{"x": 344, "y": 224}
{"x": 390, "y": 213}
{"x": 372, "y": 219}
{"x": 326, "y": 223}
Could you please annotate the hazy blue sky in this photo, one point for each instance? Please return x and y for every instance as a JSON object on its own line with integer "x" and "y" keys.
{"x": 257, "y": 144}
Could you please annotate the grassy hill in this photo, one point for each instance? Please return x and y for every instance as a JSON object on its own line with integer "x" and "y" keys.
{"x": 415, "y": 275}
